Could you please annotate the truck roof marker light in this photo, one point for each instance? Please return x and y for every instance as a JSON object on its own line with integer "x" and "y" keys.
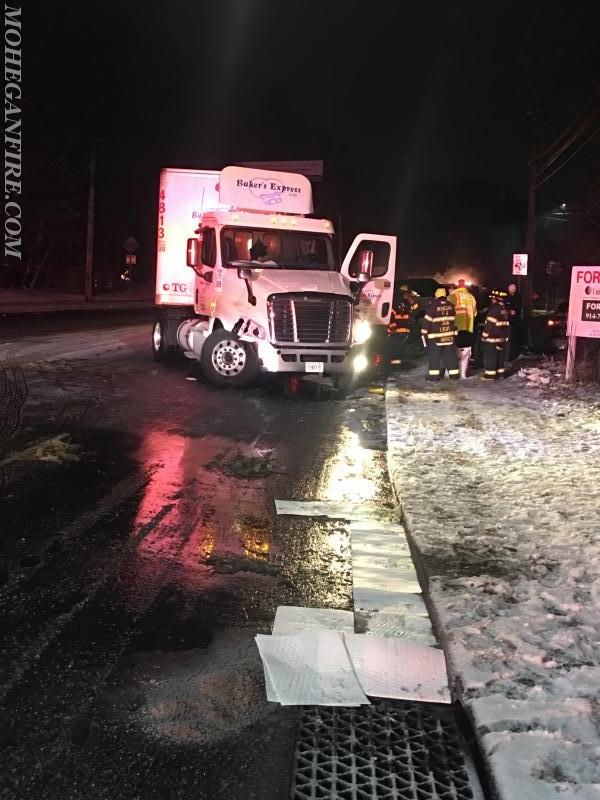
{"x": 235, "y": 217}
{"x": 273, "y": 220}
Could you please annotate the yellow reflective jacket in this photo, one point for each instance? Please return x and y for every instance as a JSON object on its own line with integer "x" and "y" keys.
{"x": 465, "y": 307}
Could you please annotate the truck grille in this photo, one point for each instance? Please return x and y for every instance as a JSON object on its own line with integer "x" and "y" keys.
{"x": 310, "y": 318}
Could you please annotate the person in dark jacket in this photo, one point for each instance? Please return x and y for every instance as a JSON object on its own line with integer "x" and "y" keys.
{"x": 400, "y": 325}
{"x": 496, "y": 332}
{"x": 514, "y": 306}
{"x": 438, "y": 330}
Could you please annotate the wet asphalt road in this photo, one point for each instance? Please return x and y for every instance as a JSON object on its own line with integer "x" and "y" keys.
{"x": 140, "y": 554}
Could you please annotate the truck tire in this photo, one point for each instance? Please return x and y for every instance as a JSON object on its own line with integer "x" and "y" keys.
{"x": 162, "y": 350}
{"x": 227, "y": 361}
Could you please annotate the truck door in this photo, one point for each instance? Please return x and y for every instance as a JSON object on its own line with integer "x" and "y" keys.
{"x": 378, "y": 293}
{"x": 206, "y": 274}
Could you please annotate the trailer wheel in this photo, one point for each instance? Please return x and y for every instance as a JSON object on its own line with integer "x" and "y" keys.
{"x": 162, "y": 351}
{"x": 227, "y": 361}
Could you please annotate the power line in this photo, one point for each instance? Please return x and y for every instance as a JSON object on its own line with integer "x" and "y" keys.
{"x": 528, "y": 34}
{"x": 564, "y": 163}
{"x": 574, "y": 137}
{"x": 567, "y": 132}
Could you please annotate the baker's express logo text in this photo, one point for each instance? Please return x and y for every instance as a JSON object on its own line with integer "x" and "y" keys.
{"x": 271, "y": 192}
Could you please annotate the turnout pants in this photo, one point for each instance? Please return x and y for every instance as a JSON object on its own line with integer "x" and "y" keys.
{"x": 494, "y": 358}
{"x": 442, "y": 357}
{"x": 396, "y": 346}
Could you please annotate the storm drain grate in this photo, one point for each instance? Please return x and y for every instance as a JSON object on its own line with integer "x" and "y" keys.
{"x": 391, "y": 750}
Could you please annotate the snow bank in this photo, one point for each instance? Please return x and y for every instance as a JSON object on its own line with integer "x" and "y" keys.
{"x": 500, "y": 488}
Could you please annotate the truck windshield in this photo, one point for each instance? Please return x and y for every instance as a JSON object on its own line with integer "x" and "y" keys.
{"x": 276, "y": 249}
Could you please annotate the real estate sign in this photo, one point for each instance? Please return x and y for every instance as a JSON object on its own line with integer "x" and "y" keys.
{"x": 584, "y": 310}
{"x": 584, "y": 303}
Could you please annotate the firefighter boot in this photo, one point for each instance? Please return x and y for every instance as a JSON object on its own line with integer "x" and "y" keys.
{"x": 464, "y": 354}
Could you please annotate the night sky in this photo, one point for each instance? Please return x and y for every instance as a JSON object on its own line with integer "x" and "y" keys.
{"x": 410, "y": 105}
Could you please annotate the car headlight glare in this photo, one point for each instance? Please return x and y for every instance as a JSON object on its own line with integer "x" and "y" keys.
{"x": 360, "y": 363}
{"x": 362, "y": 331}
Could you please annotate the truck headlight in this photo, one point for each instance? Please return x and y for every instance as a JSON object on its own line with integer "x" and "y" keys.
{"x": 362, "y": 331}
{"x": 360, "y": 363}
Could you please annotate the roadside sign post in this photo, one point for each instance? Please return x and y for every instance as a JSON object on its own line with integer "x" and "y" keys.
{"x": 519, "y": 264}
{"x": 519, "y": 268}
{"x": 584, "y": 311}
{"x": 130, "y": 245}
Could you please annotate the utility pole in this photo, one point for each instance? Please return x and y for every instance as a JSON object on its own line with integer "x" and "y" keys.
{"x": 89, "y": 247}
{"x": 527, "y": 289}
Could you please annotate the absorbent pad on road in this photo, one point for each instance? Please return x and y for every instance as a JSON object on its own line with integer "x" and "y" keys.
{"x": 382, "y": 578}
{"x": 319, "y": 508}
{"x": 311, "y": 668}
{"x": 375, "y": 526}
{"x": 367, "y": 599}
{"x": 408, "y": 626}
{"x": 399, "y": 669}
{"x": 378, "y": 543}
{"x": 297, "y": 619}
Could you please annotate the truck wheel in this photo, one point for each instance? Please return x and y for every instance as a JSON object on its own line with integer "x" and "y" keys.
{"x": 227, "y": 361}
{"x": 161, "y": 350}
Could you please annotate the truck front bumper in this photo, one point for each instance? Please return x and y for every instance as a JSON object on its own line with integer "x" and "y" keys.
{"x": 274, "y": 358}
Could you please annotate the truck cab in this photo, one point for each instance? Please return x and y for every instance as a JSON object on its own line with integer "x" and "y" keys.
{"x": 268, "y": 294}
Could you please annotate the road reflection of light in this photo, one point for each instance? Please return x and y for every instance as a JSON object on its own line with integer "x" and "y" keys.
{"x": 171, "y": 529}
{"x": 254, "y": 535}
{"x": 255, "y": 547}
{"x": 162, "y": 454}
{"x": 208, "y": 542}
{"x": 345, "y": 477}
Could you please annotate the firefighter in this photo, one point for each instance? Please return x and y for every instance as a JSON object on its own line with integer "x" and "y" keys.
{"x": 438, "y": 330}
{"x": 465, "y": 306}
{"x": 496, "y": 332}
{"x": 412, "y": 298}
{"x": 400, "y": 324}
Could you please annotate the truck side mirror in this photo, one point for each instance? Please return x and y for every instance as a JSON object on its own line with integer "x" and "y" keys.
{"x": 246, "y": 274}
{"x": 193, "y": 252}
{"x": 365, "y": 272}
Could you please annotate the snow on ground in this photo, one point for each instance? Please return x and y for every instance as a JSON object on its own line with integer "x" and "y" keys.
{"x": 500, "y": 487}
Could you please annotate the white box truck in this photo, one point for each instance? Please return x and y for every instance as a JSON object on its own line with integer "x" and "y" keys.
{"x": 247, "y": 281}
